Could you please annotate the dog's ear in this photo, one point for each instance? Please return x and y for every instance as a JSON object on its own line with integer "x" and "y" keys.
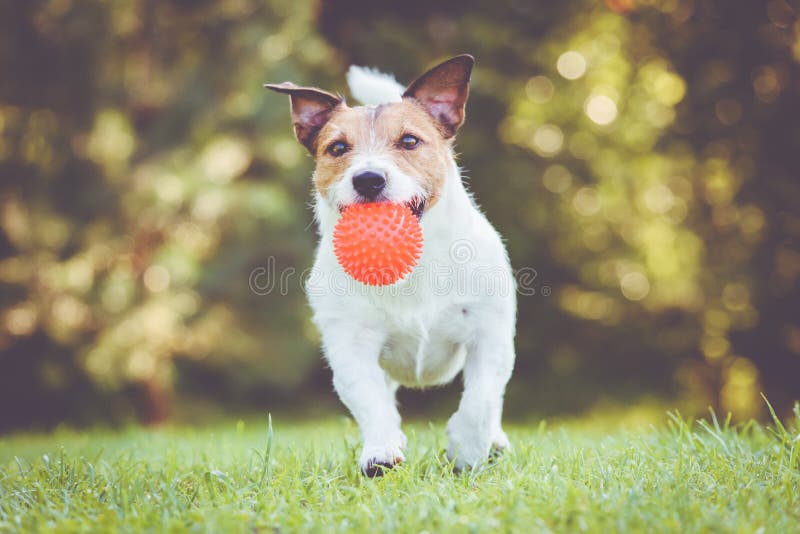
{"x": 311, "y": 109}
{"x": 443, "y": 91}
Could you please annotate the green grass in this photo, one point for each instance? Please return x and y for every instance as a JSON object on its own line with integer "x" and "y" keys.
{"x": 237, "y": 477}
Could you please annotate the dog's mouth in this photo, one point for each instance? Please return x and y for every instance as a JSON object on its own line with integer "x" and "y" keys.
{"x": 416, "y": 205}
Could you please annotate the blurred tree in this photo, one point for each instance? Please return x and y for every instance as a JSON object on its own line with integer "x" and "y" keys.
{"x": 144, "y": 178}
{"x": 640, "y": 156}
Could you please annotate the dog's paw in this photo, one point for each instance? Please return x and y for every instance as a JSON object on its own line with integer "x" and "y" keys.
{"x": 468, "y": 442}
{"x": 376, "y": 459}
{"x": 500, "y": 442}
{"x": 495, "y": 453}
{"x": 377, "y": 468}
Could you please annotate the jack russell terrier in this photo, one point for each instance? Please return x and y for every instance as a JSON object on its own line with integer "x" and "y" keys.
{"x": 457, "y": 310}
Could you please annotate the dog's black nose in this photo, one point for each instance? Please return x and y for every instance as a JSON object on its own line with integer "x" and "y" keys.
{"x": 369, "y": 184}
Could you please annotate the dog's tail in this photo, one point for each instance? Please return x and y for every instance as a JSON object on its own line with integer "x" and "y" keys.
{"x": 372, "y": 87}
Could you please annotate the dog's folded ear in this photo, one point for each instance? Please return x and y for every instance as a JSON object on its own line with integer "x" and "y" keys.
{"x": 311, "y": 109}
{"x": 443, "y": 91}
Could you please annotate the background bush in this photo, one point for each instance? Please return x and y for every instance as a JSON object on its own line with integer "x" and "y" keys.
{"x": 640, "y": 157}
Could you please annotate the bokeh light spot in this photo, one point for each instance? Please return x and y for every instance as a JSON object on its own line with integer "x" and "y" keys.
{"x": 156, "y": 278}
{"x": 728, "y": 111}
{"x": 735, "y": 296}
{"x": 141, "y": 365}
{"x": 658, "y": 114}
{"x": 780, "y": 13}
{"x": 69, "y": 313}
{"x": 21, "y": 320}
{"x": 275, "y": 47}
{"x": 571, "y": 65}
{"x": 740, "y": 394}
{"x": 169, "y": 189}
{"x": 287, "y": 153}
{"x": 112, "y": 140}
{"x": 668, "y": 87}
{"x": 557, "y": 178}
{"x": 209, "y": 205}
{"x": 659, "y": 198}
{"x": 714, "y": 347}
{"x": 635, "y": 286}
{"x": 548, "y": 140}
{"x": 586, "y": 202}
{"x": 226, "y": 158}
{"x": 766, "y": 84}
{"x": 600, "y": 109}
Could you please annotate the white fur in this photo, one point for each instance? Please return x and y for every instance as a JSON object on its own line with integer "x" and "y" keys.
{"x": 455, "y": 312}
{"x": 372, "y": 87}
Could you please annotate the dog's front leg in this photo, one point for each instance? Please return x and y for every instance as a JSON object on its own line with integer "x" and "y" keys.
{"x": 368, "y": 393}
{"x": 475, "y": 427}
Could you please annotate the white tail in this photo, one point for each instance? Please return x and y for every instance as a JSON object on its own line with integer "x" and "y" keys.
{"x": 372, "y": 87}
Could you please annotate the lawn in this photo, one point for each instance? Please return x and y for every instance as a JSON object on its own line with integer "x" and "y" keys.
{"x": 676, "y": 476}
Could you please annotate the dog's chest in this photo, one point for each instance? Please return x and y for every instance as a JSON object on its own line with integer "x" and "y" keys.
{"x": 425, "y": 346}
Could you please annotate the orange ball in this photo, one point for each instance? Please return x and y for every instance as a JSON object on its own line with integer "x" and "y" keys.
{"x": 377, "y": 243}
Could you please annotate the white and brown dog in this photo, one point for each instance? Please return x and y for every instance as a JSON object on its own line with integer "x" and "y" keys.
{"x": 457, "y": 310}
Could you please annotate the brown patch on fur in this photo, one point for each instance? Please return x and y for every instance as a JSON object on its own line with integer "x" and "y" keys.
{"x": 379, "y": 130}
{"x": 350, "y": 125}
{"x": 311, "y": 108}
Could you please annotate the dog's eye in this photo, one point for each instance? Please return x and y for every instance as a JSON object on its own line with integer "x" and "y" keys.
{"x": 337, "y": 148}
{"x": 409, "y": 142}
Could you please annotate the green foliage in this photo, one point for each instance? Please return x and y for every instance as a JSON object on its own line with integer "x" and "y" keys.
{"x": 136, "y": 208}
{"x": 688, "y": 477}
{"x": 642, "y": 159}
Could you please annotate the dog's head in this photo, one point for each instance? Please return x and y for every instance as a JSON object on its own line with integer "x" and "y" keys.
{"x": 397, "y": 152}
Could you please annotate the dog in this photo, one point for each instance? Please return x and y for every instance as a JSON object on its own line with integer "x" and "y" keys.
{"x": 456, "y": 312}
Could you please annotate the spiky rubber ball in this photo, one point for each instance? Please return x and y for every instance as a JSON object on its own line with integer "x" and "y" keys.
{"x": 377, "y": 243}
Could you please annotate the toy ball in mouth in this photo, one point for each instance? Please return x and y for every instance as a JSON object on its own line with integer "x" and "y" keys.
{"x": 377, "y": 243}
